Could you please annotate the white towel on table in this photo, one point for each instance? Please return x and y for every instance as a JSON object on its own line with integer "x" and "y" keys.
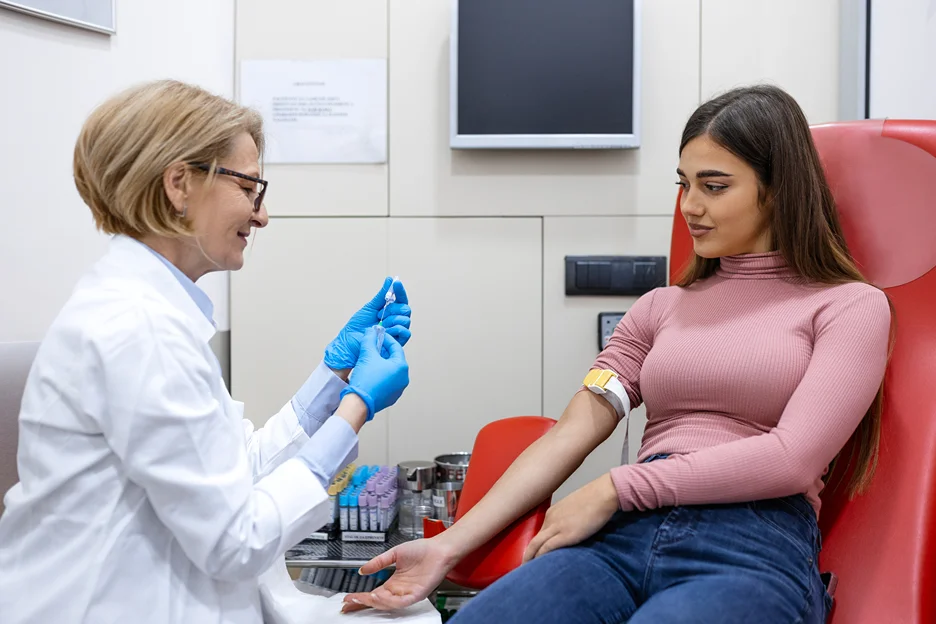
{"x": 284, "y": 603}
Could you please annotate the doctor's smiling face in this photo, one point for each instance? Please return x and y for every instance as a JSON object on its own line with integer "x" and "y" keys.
{"x": 221, "y": 209}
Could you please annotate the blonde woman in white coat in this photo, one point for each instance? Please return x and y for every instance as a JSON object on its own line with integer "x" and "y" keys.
{"x": 144, "y": 495}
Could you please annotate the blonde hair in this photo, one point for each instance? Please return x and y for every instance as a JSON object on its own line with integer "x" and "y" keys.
{"x": 129, "y": 141}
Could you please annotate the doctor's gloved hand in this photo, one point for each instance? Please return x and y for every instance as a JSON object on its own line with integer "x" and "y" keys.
{"x": 381, "y": 375}
{"x": 343, "y": 351}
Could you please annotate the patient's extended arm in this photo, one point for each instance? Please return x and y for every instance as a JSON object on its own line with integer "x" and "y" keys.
{"x": 535, "y": 475}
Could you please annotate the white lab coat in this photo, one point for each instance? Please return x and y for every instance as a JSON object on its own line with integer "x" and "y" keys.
{"x": 139, "y": 500}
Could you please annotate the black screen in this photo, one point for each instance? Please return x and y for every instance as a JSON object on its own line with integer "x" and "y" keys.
{"x": 545, "y": 67}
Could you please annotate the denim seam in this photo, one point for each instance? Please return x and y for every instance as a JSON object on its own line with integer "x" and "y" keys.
{"x": 811, "y": 557}
{"x": 809, "y": 518}
{"x": 805, "y": 609}
{"x": 645, "y": 586}
{"x": 645, "y": 589}
{"x": 794, "y": 541}
{"x": 797, "y": 510}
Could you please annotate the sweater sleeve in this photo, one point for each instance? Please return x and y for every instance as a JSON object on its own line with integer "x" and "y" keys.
{"x": 629, "y": 345}
{"x": 846, "y": 368}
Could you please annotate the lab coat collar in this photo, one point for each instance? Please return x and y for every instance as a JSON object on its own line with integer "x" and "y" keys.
{"x": 202, "y": 300}
{"x": 132, "y": 256}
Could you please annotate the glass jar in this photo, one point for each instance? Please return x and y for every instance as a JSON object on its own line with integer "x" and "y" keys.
{"x": 414, "y": 506}
{"x": 415, "y": 479}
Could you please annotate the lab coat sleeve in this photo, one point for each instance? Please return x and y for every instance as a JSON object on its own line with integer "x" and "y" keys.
{"x": 338, "y": 448}
{"x": 290, "y": 428}
{"x": 276, "y": 441}
{"x": 163, "y": 419}
{"x": 318, "y": 398}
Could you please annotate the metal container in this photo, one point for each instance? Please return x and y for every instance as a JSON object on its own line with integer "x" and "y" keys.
{"x": 415, "y": 479}
{"x": 445, "y": 497}
{"x": 451, "y": 467}
{"x": 416, "y": 476}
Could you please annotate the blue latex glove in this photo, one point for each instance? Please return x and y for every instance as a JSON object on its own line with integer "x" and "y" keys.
{"x": 380, "y": 377}
{"x": 343, "y": 351}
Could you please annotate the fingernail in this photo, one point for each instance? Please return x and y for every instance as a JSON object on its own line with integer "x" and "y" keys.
{"x": 356, "y": 601}
{"x": 359, "y": 572}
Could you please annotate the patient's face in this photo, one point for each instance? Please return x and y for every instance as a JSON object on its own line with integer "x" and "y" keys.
{"x": 721, "y": 201}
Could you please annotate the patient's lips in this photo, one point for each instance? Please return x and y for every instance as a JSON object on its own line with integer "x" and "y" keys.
{"x": 697, "y": 230}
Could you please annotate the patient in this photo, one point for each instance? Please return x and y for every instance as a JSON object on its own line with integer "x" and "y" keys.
{"x": 756, "y": 369}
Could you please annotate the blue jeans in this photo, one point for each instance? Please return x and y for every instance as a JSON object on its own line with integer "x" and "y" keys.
{"x": 746, "y": 562}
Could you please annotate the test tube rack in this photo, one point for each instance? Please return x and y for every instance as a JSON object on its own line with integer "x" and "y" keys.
{"x": 364, "y": 505}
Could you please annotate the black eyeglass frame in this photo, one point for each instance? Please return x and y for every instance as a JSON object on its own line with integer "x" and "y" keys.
{"x": 258, "y": 202}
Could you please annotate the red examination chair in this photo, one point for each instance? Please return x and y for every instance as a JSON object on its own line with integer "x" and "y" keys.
{"x": 498, "y": 444}
{"x": 882, "y": 545}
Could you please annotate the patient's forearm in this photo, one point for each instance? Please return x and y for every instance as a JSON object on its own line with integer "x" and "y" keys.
{"x": 536, "y": 473}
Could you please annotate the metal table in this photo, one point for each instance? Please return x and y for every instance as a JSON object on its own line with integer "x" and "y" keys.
{"x": 338, "y": 554}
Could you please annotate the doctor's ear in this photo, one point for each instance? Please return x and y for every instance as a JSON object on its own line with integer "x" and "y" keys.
{"x": 176, "y": 180}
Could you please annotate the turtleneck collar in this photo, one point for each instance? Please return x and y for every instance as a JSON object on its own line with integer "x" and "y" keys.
{"x": 755, "y": 266}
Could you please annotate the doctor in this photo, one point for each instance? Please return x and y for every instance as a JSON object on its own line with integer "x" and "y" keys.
{"x": 144, "y": 496}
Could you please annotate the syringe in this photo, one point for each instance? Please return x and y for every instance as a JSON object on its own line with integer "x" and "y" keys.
{"x": 389, "y": 298}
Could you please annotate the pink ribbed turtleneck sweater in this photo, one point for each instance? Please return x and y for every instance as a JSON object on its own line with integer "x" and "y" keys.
{"x": 753, "y": 379}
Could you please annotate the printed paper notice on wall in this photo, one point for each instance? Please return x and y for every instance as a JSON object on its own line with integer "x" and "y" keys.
{"x": 320, "y": 111}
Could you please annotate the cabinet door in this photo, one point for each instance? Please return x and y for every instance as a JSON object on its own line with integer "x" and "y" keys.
{"x": 301, "y": 281}
{"x": 476, "y": 353}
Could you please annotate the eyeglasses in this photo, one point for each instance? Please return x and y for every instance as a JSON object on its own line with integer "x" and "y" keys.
{"x": 255, "y": 195}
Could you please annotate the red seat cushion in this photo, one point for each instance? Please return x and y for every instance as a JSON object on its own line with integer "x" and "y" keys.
{"x": 498, "y": 444}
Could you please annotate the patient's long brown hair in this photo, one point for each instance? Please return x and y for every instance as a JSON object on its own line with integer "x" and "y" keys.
{"x": 764, "y": 126}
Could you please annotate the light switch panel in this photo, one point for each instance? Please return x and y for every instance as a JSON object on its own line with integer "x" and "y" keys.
{"x": 629, "y": 276}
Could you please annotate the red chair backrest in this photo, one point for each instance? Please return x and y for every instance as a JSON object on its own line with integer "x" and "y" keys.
{"x": 498, "y": 444}
{"x": 882, "y": 545}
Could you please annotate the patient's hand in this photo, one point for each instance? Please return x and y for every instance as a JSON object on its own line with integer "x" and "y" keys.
{"x": 575, "y": 518}
{"x": 420, "y": 567}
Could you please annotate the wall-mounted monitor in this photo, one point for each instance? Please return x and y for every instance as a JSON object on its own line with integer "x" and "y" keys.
{"x": 545, "y": 74}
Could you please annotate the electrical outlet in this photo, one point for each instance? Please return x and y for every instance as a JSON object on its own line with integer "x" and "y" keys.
{"x": 607, "y": 321}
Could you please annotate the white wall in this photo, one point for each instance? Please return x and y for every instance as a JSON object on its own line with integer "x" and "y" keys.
{"x": 903, "y": 59}
{"x": 427, "y": 214}
{"x": 791, "y": 43}
{"x": 52, "y": 76}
